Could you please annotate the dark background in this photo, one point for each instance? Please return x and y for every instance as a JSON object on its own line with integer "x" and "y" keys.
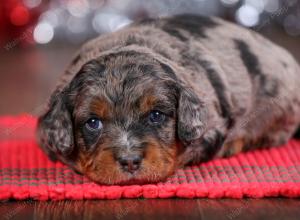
{"x": 38, "y": 38}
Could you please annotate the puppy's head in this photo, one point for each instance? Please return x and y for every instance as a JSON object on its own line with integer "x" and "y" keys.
{"x": 125, "y": 117}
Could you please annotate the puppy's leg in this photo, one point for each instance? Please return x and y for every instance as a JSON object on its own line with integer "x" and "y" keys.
{"x": 244, "y": 144}
{"x": 204, "y": 148}
{"x": 277, "y": 134}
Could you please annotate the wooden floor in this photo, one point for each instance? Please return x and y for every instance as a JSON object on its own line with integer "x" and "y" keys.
{"x": 155, "y": 209}
{"x": 26, "y": 80}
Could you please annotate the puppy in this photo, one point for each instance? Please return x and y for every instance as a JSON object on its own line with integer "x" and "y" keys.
{"x": 139, "y": 103}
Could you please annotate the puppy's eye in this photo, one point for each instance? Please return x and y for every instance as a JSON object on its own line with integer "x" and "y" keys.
{"x": 157, "y": 117}
{"x": 93, "y": 124}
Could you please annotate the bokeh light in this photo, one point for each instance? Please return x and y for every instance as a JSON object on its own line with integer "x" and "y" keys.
{"x": 247, "y": 15}
{"x": 32, "y": 3}
{"x": 43, "y": 33}
{"x": 19, "y": 15}
{"x": 79, "y": 20}
{"x": 78, "y": 8}
{"x": 259, "y": 5}
{"x": 292, "y": 25}
{"x": 272, "y": 6}
{"x": 108, "y": 22}
{"x": 51, "y": 17}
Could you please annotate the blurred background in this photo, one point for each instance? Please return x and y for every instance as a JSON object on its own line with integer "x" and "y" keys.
{"x": 39, "y": 37}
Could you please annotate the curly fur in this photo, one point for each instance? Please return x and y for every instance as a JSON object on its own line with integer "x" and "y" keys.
{"x": 223, "y": 88}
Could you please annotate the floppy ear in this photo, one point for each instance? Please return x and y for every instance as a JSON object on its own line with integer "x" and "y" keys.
{"x": 55, "y": 132}
{"x": 191, "y": 115}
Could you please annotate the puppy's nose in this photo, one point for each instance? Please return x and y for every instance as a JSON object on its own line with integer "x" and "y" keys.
{"x": 130, "y": 163}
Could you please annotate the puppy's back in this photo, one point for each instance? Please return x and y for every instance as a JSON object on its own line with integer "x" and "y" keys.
{"x": 247, "y": 64}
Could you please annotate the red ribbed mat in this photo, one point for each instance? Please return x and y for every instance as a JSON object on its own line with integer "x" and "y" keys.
{"x": 25, "y": 172}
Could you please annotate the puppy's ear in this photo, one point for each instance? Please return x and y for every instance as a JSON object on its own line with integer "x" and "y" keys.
{"x": 55, "y": 132}
{"x": 191, "y": 114}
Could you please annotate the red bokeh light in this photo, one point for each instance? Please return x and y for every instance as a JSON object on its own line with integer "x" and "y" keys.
{"x": 19, "y": 16}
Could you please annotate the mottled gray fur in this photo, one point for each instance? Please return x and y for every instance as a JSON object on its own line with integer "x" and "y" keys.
{"x": 228, "y": 83}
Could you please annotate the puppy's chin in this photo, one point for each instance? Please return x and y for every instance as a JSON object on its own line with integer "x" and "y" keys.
{"x": 101, "y": 167}
{"x": 125, "y": 178}
{"x": 116, "y": 175}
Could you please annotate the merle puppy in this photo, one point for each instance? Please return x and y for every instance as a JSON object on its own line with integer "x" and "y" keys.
{"x": 139, "y": 103}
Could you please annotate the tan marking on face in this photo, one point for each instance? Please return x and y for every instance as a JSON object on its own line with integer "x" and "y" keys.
{"x": 101, "y": 107}
{"x": 100, "y": 166}
{"x": 147, "y": 102}
{"x": 159, "y": 163}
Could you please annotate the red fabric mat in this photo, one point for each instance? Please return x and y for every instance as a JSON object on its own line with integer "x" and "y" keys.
{"x": 25, "y": 172}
